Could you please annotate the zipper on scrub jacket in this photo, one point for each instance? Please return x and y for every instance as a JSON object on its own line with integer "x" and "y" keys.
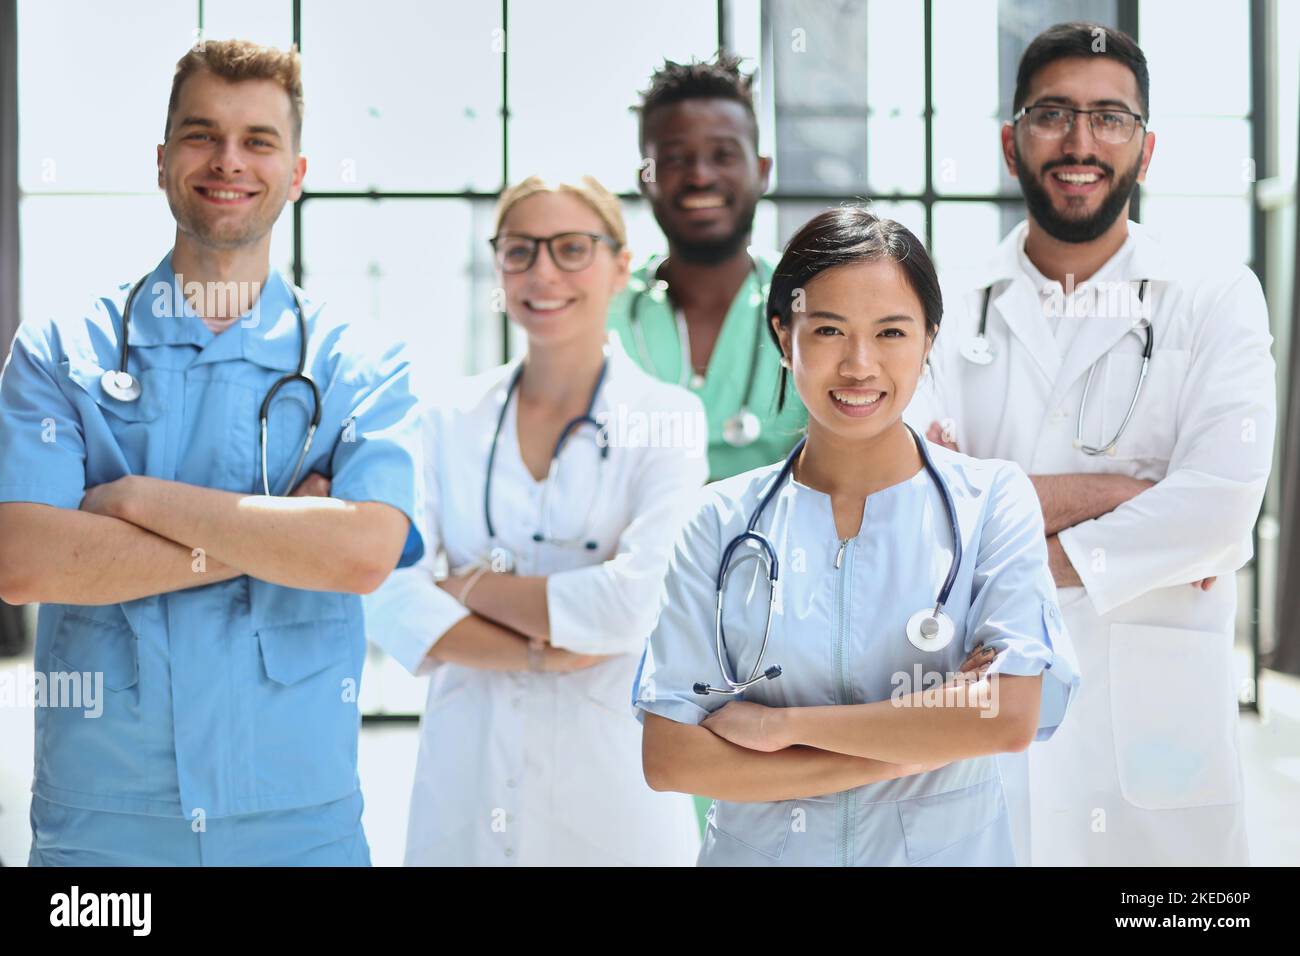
{"x": 842, "y": 695}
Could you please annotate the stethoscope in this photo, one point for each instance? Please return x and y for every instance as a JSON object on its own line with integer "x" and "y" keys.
{"x": 979, "y": 352}
{"x": 738, "y": 430}
{"x": 543, "y": 533}
{"x": 927, "y": 630}
{"x": 122, "y": 385}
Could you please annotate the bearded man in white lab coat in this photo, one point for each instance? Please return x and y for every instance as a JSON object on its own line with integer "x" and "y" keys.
{"x": 1148, "y": 503}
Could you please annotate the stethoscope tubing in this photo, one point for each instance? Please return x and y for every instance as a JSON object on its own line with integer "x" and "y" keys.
{"x": 263, "y": 414}
{"x": 569, "y": 428}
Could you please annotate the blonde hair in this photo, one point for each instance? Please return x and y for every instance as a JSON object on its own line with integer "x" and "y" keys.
{"x": 236, "y": 60}
{"x": 589, "y": 189}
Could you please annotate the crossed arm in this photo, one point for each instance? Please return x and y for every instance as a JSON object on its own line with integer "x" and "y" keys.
{"x": 1072, "y": 499}
{"x": 414, "y": 606}
{"x": 515, "y": 602}
{"x": 140, "y": 536}
{"x": 749, "y": 752}
{"x": 600, "y": 610}
{"x": 507, "y": 615}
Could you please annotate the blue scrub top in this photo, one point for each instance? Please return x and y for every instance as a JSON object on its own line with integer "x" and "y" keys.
{"x": 839, "y": 633}
{"x": 235, "y": 697}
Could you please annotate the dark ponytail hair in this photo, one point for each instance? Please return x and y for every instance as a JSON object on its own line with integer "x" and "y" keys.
{"x": 843, "y": 236}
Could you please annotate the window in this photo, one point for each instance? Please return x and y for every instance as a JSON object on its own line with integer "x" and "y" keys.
{"x": 1203, "y": 115}
{"x": 417, "y": 113}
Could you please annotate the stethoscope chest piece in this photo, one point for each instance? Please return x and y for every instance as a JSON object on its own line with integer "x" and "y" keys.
{"x": 120, "y": 385}
{"x": 977, "y": 351}
{"x": 741, "y": 429}
{"x": 930, "y": 631}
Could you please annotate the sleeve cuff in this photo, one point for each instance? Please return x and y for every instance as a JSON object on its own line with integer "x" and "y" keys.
{"x": 43, "y": 495}
{"x": 565, "y": 617}
{"x": 1060, "y": 674}
{"x": 413, "y": 549}
{"x": 581, "y": 620}
{"x": 1078, "y": 553}
{"x": 408, "y": 615}
{"x": 674, "y": 708}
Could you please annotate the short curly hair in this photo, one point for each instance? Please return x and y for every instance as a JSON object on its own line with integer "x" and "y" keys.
{"x": 719, "y": 78}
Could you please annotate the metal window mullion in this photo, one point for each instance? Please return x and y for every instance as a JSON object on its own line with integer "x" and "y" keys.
{"x": 505, "y": 147}
{"x": 928, "y": 60}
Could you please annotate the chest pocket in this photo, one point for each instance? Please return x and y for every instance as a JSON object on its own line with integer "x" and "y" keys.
{"x": 294, "y": 652}
{"x": 1152, "y": 430}
{"x": 120, "y": 437}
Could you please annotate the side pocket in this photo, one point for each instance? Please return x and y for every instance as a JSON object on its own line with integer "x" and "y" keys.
{"x": 293, "y": 652}
{"x": 935, "y": 823}
{"x": 761, "y": 827}
{"x": 1174, "y": 717}
{"x": 98, "y": 640}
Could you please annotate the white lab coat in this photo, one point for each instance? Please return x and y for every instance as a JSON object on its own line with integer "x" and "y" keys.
{"x": 1147, "y": 772}
{"x": 545, "y": 769}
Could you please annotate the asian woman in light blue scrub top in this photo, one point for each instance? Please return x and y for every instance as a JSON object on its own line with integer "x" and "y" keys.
{"x": 865, "y": 750}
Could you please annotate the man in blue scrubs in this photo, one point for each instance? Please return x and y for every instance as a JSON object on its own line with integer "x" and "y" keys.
{"x": 224, "y": 623}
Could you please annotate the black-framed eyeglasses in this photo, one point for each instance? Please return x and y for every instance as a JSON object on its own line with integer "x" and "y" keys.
{"x": 1054, "y": 121}
{"x": 570, "y": 251}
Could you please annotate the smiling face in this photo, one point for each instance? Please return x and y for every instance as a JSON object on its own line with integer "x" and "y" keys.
{"x": 549, "y": 304}
{"x": 229, "y": 163}
{"x": 707, "y": 176}
{"x": 857, "y": 348}
{"x": 1077, "y": 187}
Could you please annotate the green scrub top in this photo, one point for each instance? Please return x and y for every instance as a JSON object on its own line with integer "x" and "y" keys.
{"x": 652, "y": 343}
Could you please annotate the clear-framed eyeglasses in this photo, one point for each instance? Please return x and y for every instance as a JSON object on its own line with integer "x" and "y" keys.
{"x": 1053, "y": 121}
{"x": 570, "y": 251}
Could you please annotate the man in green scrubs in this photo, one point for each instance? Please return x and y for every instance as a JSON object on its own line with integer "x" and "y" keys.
{"x": 697, "y": 316}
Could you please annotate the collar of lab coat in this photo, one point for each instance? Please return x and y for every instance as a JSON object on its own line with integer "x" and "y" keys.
{"x": 1015, "y": 298}
{"x": 267, "y": 334}
{"x": 1148, "y": 261}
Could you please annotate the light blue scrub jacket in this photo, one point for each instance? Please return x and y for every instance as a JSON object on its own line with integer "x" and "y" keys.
{"x": 840, "y": 636}
{"x": 236, "y": 697}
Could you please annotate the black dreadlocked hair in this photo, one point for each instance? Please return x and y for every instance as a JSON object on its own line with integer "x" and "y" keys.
{"x": 719, "y": 78}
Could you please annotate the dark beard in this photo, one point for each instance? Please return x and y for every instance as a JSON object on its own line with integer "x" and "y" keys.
{"x": 714, "y": 251}
{"x": 1077, "y": 230}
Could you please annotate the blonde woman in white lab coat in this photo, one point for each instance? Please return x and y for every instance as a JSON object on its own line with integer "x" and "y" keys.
{"x": 529, "y": 751}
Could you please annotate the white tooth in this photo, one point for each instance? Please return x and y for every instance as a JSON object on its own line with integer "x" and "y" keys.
{"x": 857, "y": 399}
